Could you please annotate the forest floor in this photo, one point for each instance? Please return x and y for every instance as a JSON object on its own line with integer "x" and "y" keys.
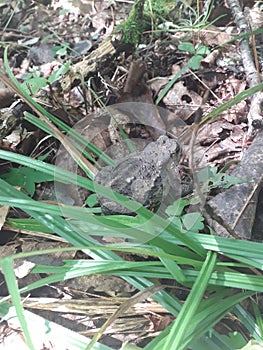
{"x": 187, "y": 64}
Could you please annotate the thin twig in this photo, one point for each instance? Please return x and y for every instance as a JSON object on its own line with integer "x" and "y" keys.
{"x": 142, "y": 295}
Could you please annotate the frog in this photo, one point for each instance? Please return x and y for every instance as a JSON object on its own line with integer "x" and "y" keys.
{"x": 145, "y": 176}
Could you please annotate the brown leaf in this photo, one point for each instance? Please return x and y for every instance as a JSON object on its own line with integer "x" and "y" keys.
{"x": 3, "y": 214}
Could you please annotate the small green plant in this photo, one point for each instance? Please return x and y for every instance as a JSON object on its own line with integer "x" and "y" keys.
{"x": 186, "y": 222}
{"x": 197, "y": 53}
{"x": 61, "y": 49}
{"x": 33, "y": 82}
{"x": 211, "y": 178}
{"x": 26, "y": 178}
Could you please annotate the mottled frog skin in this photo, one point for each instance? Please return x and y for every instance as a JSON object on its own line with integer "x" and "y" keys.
{"x": 145, "y": 176}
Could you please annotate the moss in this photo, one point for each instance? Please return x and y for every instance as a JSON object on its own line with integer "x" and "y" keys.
{"x": 132, "y": 29}
{"x": 143, "y": 18}
{"x": 161, "y": 9}
{"x": 134, "y": 26}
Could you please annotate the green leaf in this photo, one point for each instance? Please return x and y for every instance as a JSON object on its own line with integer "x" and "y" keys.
{"x": 258, "y": 316}
{"x": 63, "y": 11}
{"x": 194, "y": 62}
{"x": 4, "y": 308}
{"x": 186, "y": 46}
{"x": 26, "y": 178}
{"x": 171, "y": 83}
{"x": 61, "y": 50}
{"x": 202, "y": 50}
{"x": 62, "y": 70}
{"x": 226, "y": 181}
{"x": 193, "y": 222}
{"x": 234, "y": 101}
{"x": 210, "y": 178}
{"x": 34, "y": 84}
{"x": 92, "y": 200}
{"x": 176, "y": 209}
{"x": 178, "y": 222}
{"x": 206, "y": 173}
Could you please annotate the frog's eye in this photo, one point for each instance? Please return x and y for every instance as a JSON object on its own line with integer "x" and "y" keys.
{"x": 129, "y": 180}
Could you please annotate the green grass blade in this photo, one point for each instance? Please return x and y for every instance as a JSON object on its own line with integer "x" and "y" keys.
{"x": 210, "y": 314}
{"x": 8, "y": 271}
{"x": 177, "y": 333}
{"x": 77, "y": 139}
{"x": 238, "y": 98}
{"x": 170, "y": 84}
{"x": 59, "y": 174}
{"x": 251, "y": 252}
{"x": 248, "y": 321}
{"x": 69, "y": 211}
{"x": 174, "y": 269}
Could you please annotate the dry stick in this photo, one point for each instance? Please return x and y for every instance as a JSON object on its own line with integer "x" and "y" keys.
{"x": 192, "y": 167}
{"x": 247, "y": 202}
{"x": 253, "y": 78}
{"x": 143, "y": 294}
{"x": 247, "y": 59}
{"x": 76, "y": 155}
{"x": 191, "y": 154}
{"x": 253, "y": 41}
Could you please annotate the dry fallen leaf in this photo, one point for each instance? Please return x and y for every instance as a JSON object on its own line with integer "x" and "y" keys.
{"x": 3, "y": 214}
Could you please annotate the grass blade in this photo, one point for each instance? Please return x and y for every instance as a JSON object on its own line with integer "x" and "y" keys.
{"x": 8, "y": 271}
{"x": 177, "y": 333}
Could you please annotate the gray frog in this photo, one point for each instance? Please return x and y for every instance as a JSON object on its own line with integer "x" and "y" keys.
{"x": 145, "y": 176}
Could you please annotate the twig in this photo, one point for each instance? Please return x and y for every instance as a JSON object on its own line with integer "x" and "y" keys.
{"x": 253, "y": 79}
{"x": 144, "y": 294}
{"x": 247, "y": 202}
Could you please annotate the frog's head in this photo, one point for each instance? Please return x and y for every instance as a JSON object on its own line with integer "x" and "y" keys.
{"x": 166, "y": 149}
